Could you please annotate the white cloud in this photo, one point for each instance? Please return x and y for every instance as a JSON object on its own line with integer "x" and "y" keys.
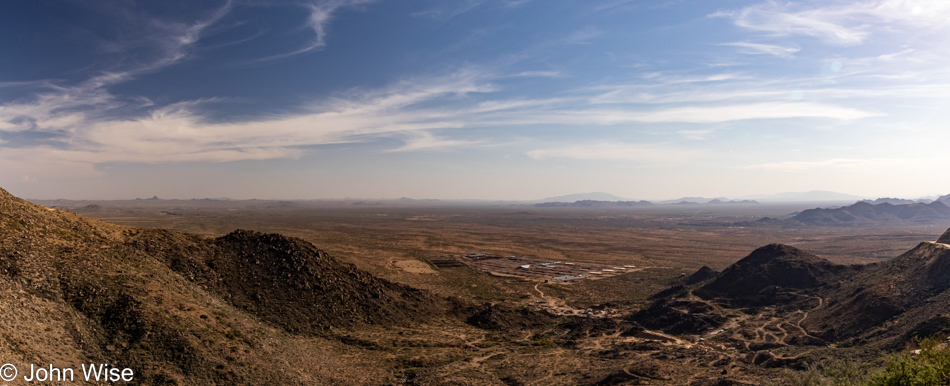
{"x": 723, "y": 113}
{"x": 696, "y": 135}
{"x": 321, "y": 14}
{"x": 538, "y": 74}
{"x": 767, "y": 49}
{"x": 423, "y": 140}
{"x": 179, "y": 132}
{"x": 839, "y": 22}
{"x": 176, "y": 133}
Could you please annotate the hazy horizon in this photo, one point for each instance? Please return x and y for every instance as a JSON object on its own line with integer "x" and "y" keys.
{"x": 782, "y": 197}
{"x": 473, "y": 99}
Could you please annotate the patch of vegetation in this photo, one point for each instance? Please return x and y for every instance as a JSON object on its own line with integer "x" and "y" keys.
{"x": 929, "y": 366}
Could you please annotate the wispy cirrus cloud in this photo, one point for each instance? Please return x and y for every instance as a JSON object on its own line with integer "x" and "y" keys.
{"x": 737, "y": 112}
{"x": 537, "y": 74}
{"x": 424, "y": 140}
{"x": 145, "y": 43}
{"x": 839, "y": 22}
{"x": 59, "y": 111}
{"x": 767, "y": 49}
{"x": 180, "y": 133}
{"x": 321, "y": 14}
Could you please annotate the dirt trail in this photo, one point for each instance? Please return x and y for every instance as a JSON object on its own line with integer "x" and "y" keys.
{"x": 821, "y": 302}
{"x": 553, "y": 370}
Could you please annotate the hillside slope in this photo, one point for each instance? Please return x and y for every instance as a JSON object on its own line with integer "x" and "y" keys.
{"x": 890, "y": 299}
{"x": 246, "y": 308}
{"x": 767, "y": 273}
{"x": 882, "y": 305}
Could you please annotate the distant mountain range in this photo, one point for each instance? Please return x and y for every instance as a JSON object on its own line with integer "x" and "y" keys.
{"x": 706, "y": 201}
{"x": 641, "y": 203}
{"x": 691, "y": 200}
{"x": 896, "y": 201}
{"x": 594, "y": 204}
{"x": 862, "y": 213}
{"x": 814, "y": 195}
{"x": 593, "y": 196}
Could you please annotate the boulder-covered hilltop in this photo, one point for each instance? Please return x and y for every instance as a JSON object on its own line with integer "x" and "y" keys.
{"x": 760, "y": 277}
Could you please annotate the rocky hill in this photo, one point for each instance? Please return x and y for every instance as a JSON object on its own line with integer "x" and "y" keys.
{"x": 179, "y": 308}
{"x": 864, "y": 213}
{"x": 890, "y": 300}
{"x": 769, "y": 273}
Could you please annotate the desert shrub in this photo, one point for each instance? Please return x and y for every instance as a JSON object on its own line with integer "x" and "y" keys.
{"x": 930, "y": 367}
{"x": 812, "y": 376}
{"x": 846, "y": 373}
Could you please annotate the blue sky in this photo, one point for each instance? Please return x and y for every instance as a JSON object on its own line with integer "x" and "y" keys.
{"x": 486, "y": 99}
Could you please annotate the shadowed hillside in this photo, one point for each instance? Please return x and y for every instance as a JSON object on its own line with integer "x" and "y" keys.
{"x": 891, "y": 299}
{"x": 769, "y": 273}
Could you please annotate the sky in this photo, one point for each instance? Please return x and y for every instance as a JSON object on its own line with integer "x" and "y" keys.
{"x": 473, "y": 99}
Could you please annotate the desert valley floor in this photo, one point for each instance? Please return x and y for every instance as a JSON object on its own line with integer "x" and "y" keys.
{"x": 470, "y": 294}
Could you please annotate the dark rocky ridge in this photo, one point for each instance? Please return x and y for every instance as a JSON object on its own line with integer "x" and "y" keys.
{"x": 701, "y": 275}
{"x": 286, "y": 281}
{"x": 944, "y": 238}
